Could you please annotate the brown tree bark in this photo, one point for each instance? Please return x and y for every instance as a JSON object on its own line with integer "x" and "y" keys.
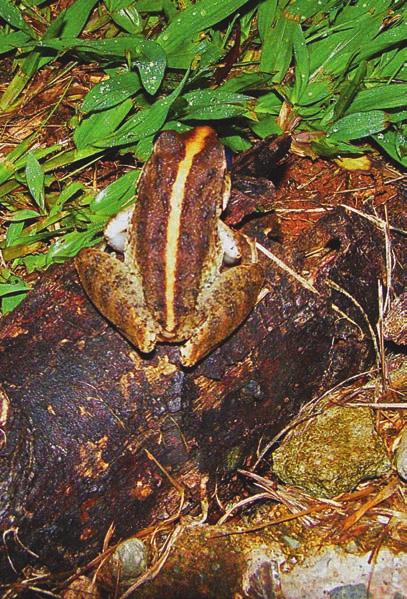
{"x": 94, "y": 434}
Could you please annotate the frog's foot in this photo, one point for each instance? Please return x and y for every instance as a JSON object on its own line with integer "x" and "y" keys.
{"x": 226, "y": 305}
{"x": 118, "y": 294}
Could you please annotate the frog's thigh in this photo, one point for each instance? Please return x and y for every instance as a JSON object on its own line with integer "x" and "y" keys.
{"x": 117, "y": 293}
{"x": 226, "y": 304}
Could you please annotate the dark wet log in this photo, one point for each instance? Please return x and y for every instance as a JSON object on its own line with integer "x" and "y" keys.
{"x": 264, "y": 158}
{"x": 92, "y": 431}
{"x": 249, "y": 195}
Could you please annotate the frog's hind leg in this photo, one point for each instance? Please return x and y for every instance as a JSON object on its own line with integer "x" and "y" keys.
{"x": 226, "y": 305}
{"x": 118, "y": 294}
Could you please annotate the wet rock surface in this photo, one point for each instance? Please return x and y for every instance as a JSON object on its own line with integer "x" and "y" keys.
{"x": 332, "y": 452}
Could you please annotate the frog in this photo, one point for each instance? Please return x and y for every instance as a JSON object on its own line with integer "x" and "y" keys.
{"x": 185, "y": 277}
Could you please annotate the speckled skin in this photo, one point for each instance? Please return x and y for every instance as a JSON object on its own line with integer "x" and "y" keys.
{"x": 170, "y": 286}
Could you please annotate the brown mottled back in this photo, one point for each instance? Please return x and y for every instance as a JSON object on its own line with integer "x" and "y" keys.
{"x": 175, "y": 244}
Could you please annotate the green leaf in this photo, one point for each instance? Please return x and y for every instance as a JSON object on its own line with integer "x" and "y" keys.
{"x": 277, "y": 49}
{"x": 34, "y": 262}
{"x": 71, "y": 21}
{"x": 111, "y": 92}
{"x": 26, "y": 214}
{"x": 148, "y": 56}
{"x": 128, "y": 19}
{"x": 196, "y": 18}
{"x": 192, "y": 50}
{"x": 144, "y": 148}
{"x": 394, "y": 143}
{"x": 8, "y": 288}
{"x": 211, "y": 104}
{"x": 304, "y": 9}
{"x": 66, "y": 194}
{"x": 361, "y": 10}
{"x": 349, "y": 90}
{"x": 113, "y": 5}
{"x": 358, "y": 125}
{"x": 338, "y": 49}
{"x": 310, "y": 113}
{"x": 330, "y": 148}
{"x": 315, "y": 92}
{"x": 35, "y": 180}
{"x": 123, "y": 46}
{"x": 397, "y": 117}
{"x": 266, "y": 16}
{"x": 11, "y": 41}
{"x": 24, "y": 240}
{"x": 11, "y": 14}
{"x": 69, "y": 157}
{"x": 98, "y": 126}
{"x": 149, "y": 6}
{"x": 245, "y": 81}
{"x": 236, "y": 142}
{"x": 71, "y": 243}
{"x": 202, "y": 96}
{"x": 12, "y": 291}
{"x": 13, "y": 232}
{"x": 68, "y": 24}
{"x": 383, "y": 96}
{"x": 125, "y": 14}
{"x": 387, "y": 39}
{"x": 301, "y": 64}
{"x": 392, "y": 63}
{"x": 116, "y": 195}
{"x": 9, "y": 302}
{"x": 145, "y": 122}
{"x": 266, "y": 126}
{"x": 151, "y": 65}
{"x": 269, "y": 104}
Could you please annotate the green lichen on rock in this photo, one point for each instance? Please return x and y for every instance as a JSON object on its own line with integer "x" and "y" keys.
{"x": 331, "y": 453}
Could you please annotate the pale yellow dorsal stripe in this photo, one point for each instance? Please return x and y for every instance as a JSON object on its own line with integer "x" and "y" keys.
{"x": 193, "y": 146}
